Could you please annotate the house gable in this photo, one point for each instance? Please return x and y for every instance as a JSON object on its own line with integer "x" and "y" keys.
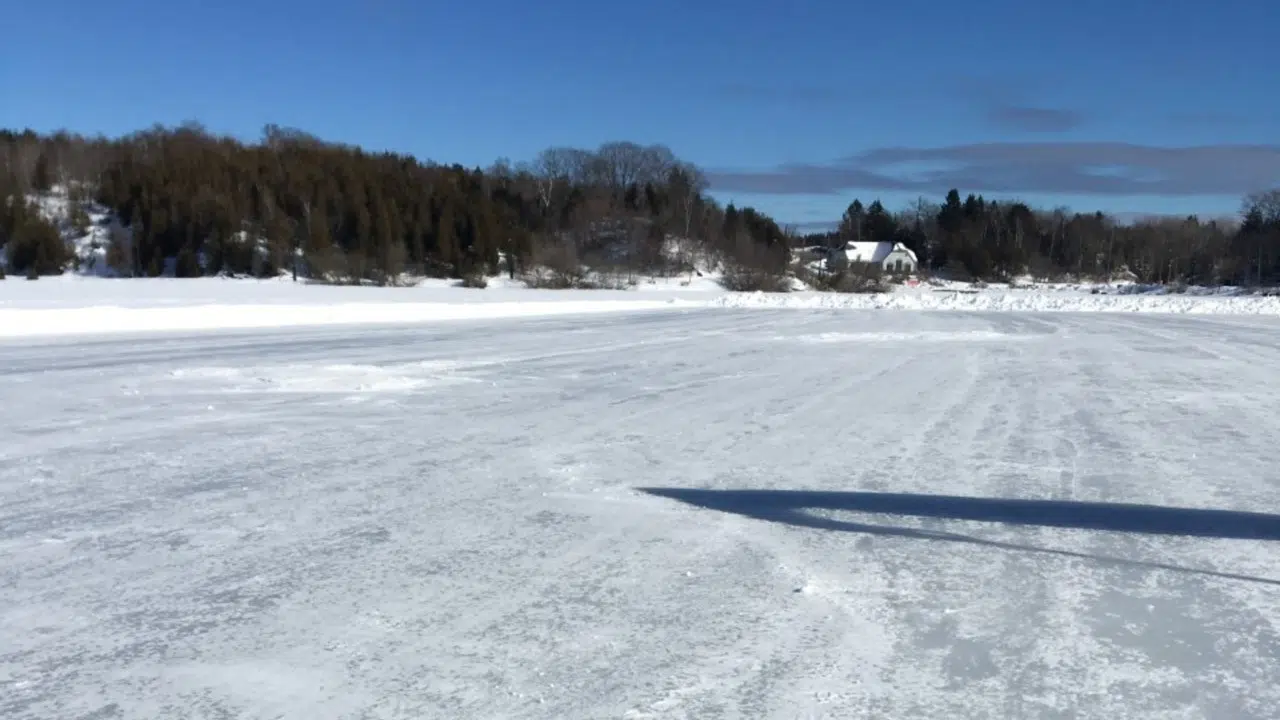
{"x": 882, "y": 254}
{"x": 867, "y": 252}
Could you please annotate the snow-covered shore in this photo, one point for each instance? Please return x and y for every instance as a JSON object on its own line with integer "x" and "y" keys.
{"x": 76, "y": 305}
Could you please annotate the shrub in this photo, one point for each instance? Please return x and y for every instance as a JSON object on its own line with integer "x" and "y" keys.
{"x": 326, "y": 265}
{"x": 187, "y": 264}
{"x": 474, "y": 279}
{"x": 120, "y": 251}
{"x": 555, "y": 266}
{"x": 861, "y": 283}
{"x": 80, "y": 220}
{"x": 37, "y": 247}
{"x": 741, "y": 278}
{"x": 755, "y": 267}
{"x": 858, "y": 279}
{"x": 543, "y": 278}
{"x": 814, "y": 279}
{"x": 609, "y": 279}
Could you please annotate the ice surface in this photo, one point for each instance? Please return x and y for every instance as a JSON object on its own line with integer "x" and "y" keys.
{"x": 446, "y": 521}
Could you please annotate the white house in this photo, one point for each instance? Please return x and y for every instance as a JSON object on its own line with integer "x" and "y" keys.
{"x": 891, "y": 257}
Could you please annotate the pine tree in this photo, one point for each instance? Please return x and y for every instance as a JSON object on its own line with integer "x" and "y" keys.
{"x": 446, "y": 243}
{"x": 36, "y": 246}
{"x": 951, "y": 214}
{"x": 187, "y": 264}
{"x": 879, "y": 225}
{"x": 485, "y": 235}
{"x": 853, "y": 223}
{"x": 319, "y": 243}
{"x": 42, "y": 174}
{"x": 731, "y": 224}
{"x": 418, "y": 232}
{"x": 388, "y": 240}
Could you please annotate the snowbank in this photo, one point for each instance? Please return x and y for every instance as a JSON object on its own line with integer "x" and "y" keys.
{"x": 85, "y": 306}
{"x": 105, "y": 319}
{"x": 1033, "y": 300}
{"x": 71, "y": 305}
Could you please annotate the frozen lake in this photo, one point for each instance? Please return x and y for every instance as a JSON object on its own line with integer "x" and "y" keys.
{"x": 531, "y": 518}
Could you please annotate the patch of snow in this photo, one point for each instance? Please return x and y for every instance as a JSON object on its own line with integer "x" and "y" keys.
{"x": 88, "y": 245}
{"x": 888, "y": 337}
{"x": 345, "y": 378}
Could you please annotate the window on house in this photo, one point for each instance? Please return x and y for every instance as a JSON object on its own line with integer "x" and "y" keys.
{"x": 897, "y": 265}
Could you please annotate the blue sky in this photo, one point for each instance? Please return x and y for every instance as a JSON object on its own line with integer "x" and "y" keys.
{"x": 793, "y": 107}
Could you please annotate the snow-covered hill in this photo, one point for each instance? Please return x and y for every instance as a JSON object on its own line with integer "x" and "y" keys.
{"x": 86, "y": 226}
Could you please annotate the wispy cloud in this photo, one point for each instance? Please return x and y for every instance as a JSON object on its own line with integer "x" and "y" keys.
{"x": 1096, "y": 168}
{"x": 1000, "y": 102}
{"x": 1014, "y": 103}
{"x": 1025, "y": 118}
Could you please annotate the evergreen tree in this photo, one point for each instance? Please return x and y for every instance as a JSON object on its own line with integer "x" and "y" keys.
{"x": 187, "y": 264}
{"x": 42, "y": 174}
{"x": 879, "y": 225}
{"x": 853, "y": 223}
{"x": 731, "y": 224}
{"x": 446, "y": 238}
{"x": 951, "y": 215}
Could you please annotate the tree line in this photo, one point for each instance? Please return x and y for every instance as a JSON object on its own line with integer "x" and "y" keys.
{"x": 190, "y": 203}
{"x": 992, "y": 240}
{"x": 209, "y": 204}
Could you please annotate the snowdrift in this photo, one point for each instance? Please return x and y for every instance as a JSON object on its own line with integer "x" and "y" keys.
{"x": 1036, "y": 300}
{"x": 200, "y": 312}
